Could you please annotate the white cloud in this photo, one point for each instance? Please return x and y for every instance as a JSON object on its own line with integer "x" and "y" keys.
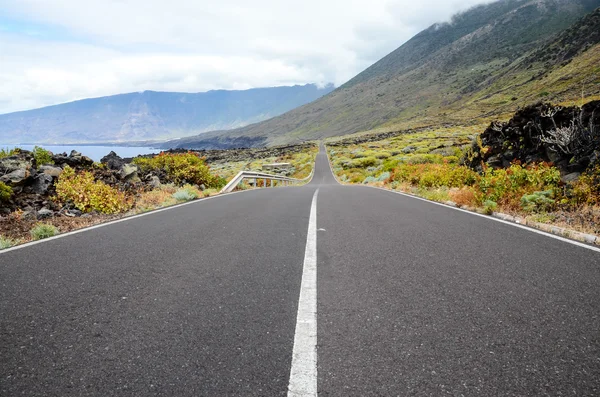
{"x": 113, "y": 46}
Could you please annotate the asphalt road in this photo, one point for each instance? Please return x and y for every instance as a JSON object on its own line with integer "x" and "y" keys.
{"x": 413, "y": 299}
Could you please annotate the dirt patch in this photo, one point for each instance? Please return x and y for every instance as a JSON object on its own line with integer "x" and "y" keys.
{"x": 16, "y": 227}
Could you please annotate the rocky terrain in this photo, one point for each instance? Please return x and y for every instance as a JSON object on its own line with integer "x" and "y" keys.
{"x": 32, "y": 181}
{"x": 245, "y": 154}
{"x": 541, "y": 167}
{"x": 568, "y": 137}
{"x": 33, "y": 185}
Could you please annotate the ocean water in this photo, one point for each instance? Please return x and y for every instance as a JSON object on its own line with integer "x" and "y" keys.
{"x": 93, "y": 152}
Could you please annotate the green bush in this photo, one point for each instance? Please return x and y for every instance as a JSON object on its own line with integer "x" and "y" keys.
{"x": 425, "y": 159}
{"x": 389, "y": 165}
{"x": 429, "y": 175}
{"x": 186, "y": 193}
{"x": 586, "y": 190}
{"x": 439, "y": 195}
{"x": 489, "y": 207}
{"x": 362, "y": 162}
{"x": 181, "y": 168}
{"x": 90, "y": 195}
{"x": 7, "y": 242}
{"x": 210, "y": 192}
{"x": 382, "y": 155}
{"x": 6, "y": 152}
{"x": 538, "y": 201}
{"x": 507, "y": 186}
{"x": 43, "y": 230}
{"x": 219, "y": 182}
{"x": 42, "y": 156}
{"x": 5, "y": 192}
{"x": 452, "y": 159}
{"x": 383, "y": 177}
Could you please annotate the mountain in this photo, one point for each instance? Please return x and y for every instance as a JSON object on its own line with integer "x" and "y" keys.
{"x": 151, "y": 115}
{"x": 485, "y": 62}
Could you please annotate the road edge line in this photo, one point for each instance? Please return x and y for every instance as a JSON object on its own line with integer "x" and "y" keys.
{"x": 303, "y": 372}
{"x": 492, "y": 218}
{"x": 124, "y": 219}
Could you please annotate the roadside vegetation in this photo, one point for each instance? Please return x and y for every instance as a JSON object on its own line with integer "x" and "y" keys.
{"x": 43, "y": 194}
{"x": 43, "y": 230}
{"x": 300, "y": 164}
{"x": 6, "y": 152}
{"x": 87, "y": 194}
{"x": 455, "y": 166}
{"x": 180, "y": 168}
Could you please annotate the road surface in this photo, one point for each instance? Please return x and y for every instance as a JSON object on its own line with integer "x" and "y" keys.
{"x": 408, "y": 298}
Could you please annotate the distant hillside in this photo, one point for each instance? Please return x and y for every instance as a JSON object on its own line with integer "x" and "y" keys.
{"x": 152, "y": 115}
{"x": 487, "y": 61}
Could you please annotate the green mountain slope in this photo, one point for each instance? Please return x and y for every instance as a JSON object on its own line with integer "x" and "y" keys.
{"x": 152, "y": 115}
{"x": 485, "y": 62}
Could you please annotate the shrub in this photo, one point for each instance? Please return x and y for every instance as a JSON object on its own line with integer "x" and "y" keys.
{"x": 464, "y": 196}
{"x": 183, "y": 195}
{"x": 5, "y": 192}
{"x": 356, "y": 175}
{"x": 507, "y": 186}
{"x": 42, "y": 156}
{"x": 156, "y": 198}
{"x": 181, "y": 168}
{"x": 243, "y": 186}
{"x": 455, "y": 159}
{"x": 432, "y": 178}
{"x": 6, "y": 152}
{"x": 43, "y": 230}
{"x": 439, "y": 195}
{"x": 586, "y": 190}
{"x": 425, "y": 159}
{"x": 219, "y": 182}
{"x": 489, "y": 207}
{"x": 538, "y": 201}
{"x": 361, "y": 162}
{"x": 429, "y": 175}
{"x": 383, "y": 177}
{"x": 90, "y": 195}
{"x": 186, "y": 193}
{"x": 7, "y": 242}
{"x": 210, "y": 192}
{"x": 389, "y": 165}
{"x": 382, "y": 155}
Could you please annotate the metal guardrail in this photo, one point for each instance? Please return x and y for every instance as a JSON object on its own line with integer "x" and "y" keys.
{"x": 261, "y": 175}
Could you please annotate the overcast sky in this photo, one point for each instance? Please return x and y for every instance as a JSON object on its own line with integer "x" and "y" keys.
{"x": 55, "y": 51}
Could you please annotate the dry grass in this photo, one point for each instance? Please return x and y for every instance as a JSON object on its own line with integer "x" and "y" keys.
{"x": 586, "y": 219}
{"x": 425, "y": 164}
{"x": 15, "y": 227}
{"x": 463, "y": 197}
{"x": 157, "y": 198}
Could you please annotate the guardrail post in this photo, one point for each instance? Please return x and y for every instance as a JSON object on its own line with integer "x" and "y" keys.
{"x": 253, "y": 179}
